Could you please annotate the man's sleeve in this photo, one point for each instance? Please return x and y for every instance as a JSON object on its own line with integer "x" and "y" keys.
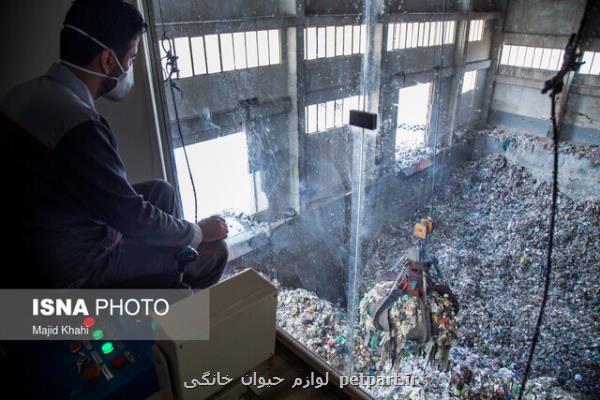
{"x": 95, "y": 175}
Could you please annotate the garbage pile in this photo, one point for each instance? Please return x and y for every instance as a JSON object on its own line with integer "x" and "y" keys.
{"x": 490, "y": 238}
{"x": 491, "y": 232}
{"x": 408, "y": 157}
{"x": 515, "y": 138}
{"x": 380, "y": 349}
{"x": 316, "y": 323}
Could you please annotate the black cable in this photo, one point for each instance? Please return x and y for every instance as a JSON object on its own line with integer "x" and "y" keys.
{"x": 171, "y": 69}
{"x": 185, "y": 154}
{"x": 555, "y": 85}
{"x": 538, "y": 324}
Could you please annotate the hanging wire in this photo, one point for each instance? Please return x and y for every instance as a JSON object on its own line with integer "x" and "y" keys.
{"x": 437, "y": 91}
{"x": 555, "y": 86}
{"x": 171, "y": 72}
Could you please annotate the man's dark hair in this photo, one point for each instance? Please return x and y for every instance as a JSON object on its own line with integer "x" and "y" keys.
{"x": 112, "y": 22}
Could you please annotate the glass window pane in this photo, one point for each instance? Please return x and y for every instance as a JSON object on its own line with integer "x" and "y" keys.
{"x": 213, "y": 56}
{"x": 347, "y": 40}
{"x": 390, "y": 37}
{"x": 439, "y": 35}
{"x": 529, "y": 57}
{"x": 555, "y": 59}
{"x": 231, "y": 188}
{"x": 396, "y": 37}
{"x": 184, "y": 58}
{"x": 330, "y": 115}
{"x": 263, "y": 48}
{"x": 198, "y": 57}
{"x": 239, "y": 45}
{"x": 311, "y": 114}
{"x": 505, "y": 54}
{"x": 227, "y": 51}
{"x": 427, "y": 33}
{"x": 415, "y": 34}
{"x": 537, "y": 57}
{"x": 449, "y": 39}
{"x": 311, "y": 43}
{"x": 356, "y": 39}
{"x": 595, "y": 64}
{"x": 274, "y": 47}
{"x": 251, "y": 49}
{"x": 321, "y": 48}
{"x": 339, "y": 40}
{"x": 321, "y": 117}
{"x": 521, "y": 56}
{"x": 339, "y": 112}
{"x": 587, "y": 59}
{"x": 402, "y": 38}
{"x": 546, "y": 58}
{"x": 409, "y": 32}
{"x": 330, "y": 41}
{"x": 305, "y": 39}
{"x": 422, "y": 34}
{"x": 363, "y": 38}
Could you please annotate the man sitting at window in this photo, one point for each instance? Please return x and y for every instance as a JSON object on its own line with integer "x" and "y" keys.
{"x": 74, "y": 215}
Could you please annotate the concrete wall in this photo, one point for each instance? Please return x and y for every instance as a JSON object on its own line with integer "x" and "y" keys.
{"x": 517, "y": 100}
{"x": 29, "y": 37}
{"x": 546, "y": 17}
{"x": 211, "y": 10}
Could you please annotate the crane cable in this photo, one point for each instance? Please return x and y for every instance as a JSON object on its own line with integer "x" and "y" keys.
{"x": 554, "y": 86}
{"x": 170, "y": 70}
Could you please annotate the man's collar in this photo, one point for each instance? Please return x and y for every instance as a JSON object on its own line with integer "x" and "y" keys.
{"x": 64, "y": 76}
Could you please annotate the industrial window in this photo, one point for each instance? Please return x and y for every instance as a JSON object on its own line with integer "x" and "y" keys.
{"x": 332, "y": 114}
{"x": 211, "y": 54}
{"x": 413, "y": 116}
{"x": 405, "y": 35}
{"x": 592, "y": 63}
{"x": 469, "y": 81}
{"x": 332, "y": 41}
{"x": 476, "y": 30}
{"x": 531, "y": 57}
{"x": 220, "y": 168}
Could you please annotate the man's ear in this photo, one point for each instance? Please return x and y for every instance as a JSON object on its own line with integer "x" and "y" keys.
{"x": 107, "y": 61}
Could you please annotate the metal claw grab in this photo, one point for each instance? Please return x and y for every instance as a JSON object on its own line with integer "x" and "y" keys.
{"x": 415, "y": 281}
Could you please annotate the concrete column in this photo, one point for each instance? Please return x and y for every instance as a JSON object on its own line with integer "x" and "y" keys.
{"x": 460, "y": 52}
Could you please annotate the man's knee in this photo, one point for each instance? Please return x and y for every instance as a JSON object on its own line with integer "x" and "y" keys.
{"x": 162, "y": 186}
{"x": 160, "y": 193}
{"x": 218, "y": 250}
{"x": 211, "y": 263}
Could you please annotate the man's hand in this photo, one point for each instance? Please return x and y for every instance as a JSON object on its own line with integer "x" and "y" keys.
{"x": 213, "y": 228}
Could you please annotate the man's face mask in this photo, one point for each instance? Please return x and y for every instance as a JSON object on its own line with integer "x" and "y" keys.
{"x": 124, "y": 81}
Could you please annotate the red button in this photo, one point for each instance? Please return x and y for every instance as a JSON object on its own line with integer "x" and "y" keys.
{"x": 74, "y": 347}
{"x": 89, "y": 322}
{"x": 118, "y": 362}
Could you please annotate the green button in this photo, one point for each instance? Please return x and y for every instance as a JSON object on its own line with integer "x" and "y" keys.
{"x": 107, "y": 348}
{"x": 98, "y": 334}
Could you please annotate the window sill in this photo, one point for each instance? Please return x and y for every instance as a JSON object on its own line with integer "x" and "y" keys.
{"x": 250, "y": 239}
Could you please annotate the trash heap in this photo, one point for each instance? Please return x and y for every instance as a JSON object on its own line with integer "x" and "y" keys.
{"x": 491, "y": 225}
{"x": 491, "y": 237}
{"x": 315, "y": 322}
{"x": 408, "y": 157}
{"x": 381, "y": 349}
{"x": 514, "y": 138}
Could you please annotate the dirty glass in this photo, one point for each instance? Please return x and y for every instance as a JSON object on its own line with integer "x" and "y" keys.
{"x": 415, "y": 251}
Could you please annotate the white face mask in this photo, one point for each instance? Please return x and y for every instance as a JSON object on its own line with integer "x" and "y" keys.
{"x": 124, "y": 81}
